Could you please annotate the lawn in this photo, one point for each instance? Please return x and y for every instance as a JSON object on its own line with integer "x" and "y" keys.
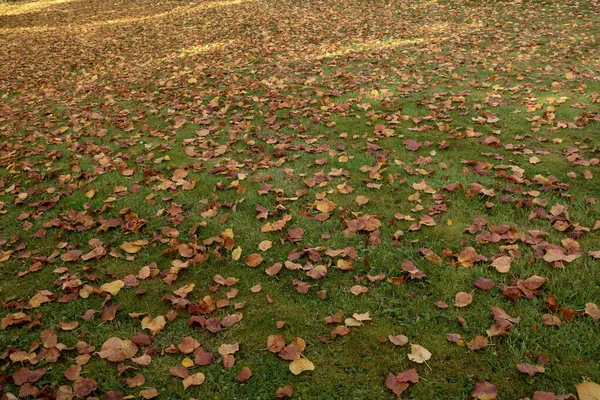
{"x": 255, "y": 199}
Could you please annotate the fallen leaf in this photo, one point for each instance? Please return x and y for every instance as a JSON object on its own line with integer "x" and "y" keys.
{"x": 193, "y": 380}
{"x": 484, "y": 391}
{"x": 478, "y": 343}
{"x": 530, "y": 370}
{"x": 254, "y": 260}
{"x": 113, "y": 287}
{"x": 149, "y": 393}
{"x": 300, "y": 365}
{"x": 275, "y": 343}
{"x": 463, "y": 299}
{"x": 244, "y": 375}
{"x": 502, "y": 264}
{"x": 117, "y": 350}
{"x": 398, "y": 340}
{"x": 418, "y": 354}
{"x": 588, "y": 391}
{"x": 284, "y": 392}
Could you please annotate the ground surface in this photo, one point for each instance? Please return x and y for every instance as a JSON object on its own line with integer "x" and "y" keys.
{"x": 433, "y": 164}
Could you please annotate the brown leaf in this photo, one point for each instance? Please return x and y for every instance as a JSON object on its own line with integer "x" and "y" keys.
{"x": 244, "y": 375}
{"x": 193, "y": 380}
{"x": 84, "y": 386}
{"x": 483, "y": 283}
{"x": 339, "y": 330}
{"x": 117, "y": 350}
{"x": 453, "y": 337}
{"x": 274, "y": 269}
{"x": 410, "y": 375}
{"x": 225, "y": 349}
{"x": 361, "y": 200}
{"x": 137, "y": 380}
{"x": 254, "y": 260}
{"x": 275, "y": 343}
{"x": 358, "y": 289}
{"x": 463, "y": 299}
{"x": 484, "y": 391}
{"x": 478, "y": 343}
{"x": 394, "y": 385}
{"x": 188, "y": 345}
{"x": 149, "y": 393}
{"x": 592, "y": 310}
{"x": 179, "y": 371}
{"x": 283, "y": 392}
{"x": 68, "y": 325}
{"x": 293, "y": 350}
{"x": 467, "y": 257}
{"x": 72, "y": 373}
{"x": 202, "y": 357}
{"x": 398, "y": 340}
{"x": 552, "y": 320}
{"x": 530, "y": 370}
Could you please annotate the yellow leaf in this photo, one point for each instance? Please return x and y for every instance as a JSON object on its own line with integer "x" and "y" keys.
{"x": 5, "y": 255}
{"x": 154, "y": 325}
{"x": 300, "y": 365}
{"x": 588, "y": 391}
{"x": 130, "y": 247}
{"x": 265, "y": 245}
{"x": 325, "y": 206}
{"x": 149, "y": 393}
{"x": 227, "y": 233}
{"x": 113, "y": 287}
{"x": 361, "y": 317}
{"x": 418, "y": 354}
{"x": 187, "y": 362}
{"x": 502, "y": 264}
{"x": 236, "y": 253}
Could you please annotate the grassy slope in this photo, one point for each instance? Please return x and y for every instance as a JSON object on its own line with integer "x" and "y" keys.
{"x": 421, "y": 55}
